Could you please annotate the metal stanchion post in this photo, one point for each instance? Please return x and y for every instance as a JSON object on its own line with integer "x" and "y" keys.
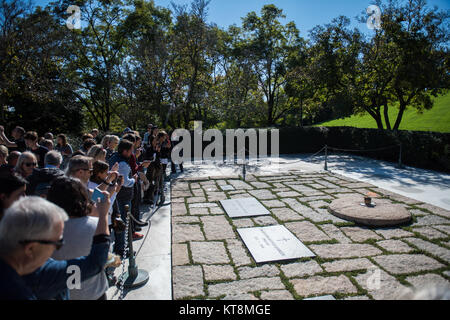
{"x": 326, "y": 158}
{"x": 134, "y": 277}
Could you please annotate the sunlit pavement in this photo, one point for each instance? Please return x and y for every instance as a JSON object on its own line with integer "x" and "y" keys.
{"x": 424, "y": 185}
{"x": 155, "y": 250}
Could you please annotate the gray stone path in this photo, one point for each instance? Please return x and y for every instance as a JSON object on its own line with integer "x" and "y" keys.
{"x": 210, "y": 261}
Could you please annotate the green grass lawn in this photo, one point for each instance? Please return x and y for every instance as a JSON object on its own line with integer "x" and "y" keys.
{"x": 437, "y": 119}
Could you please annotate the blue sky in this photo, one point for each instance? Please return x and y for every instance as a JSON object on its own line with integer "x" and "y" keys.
{"x": 305, "y": 13}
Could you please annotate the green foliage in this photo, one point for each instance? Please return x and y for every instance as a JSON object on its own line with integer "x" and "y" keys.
{"x": 134, "y": 63}
{"x": 437, "y": 119}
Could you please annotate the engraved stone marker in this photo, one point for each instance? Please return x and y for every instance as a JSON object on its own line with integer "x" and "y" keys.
{"x": 248, "y": 207}
{"x": 321, "y": 298}
{"x": 275, "y": 243}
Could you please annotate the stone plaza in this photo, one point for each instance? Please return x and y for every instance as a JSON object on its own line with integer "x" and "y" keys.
{"x": 211, "y": 261}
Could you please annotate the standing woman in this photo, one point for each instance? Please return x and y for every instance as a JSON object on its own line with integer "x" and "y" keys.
{"x": 97, "y": 153}
{"x": 71, "y": 195}
{"x": 26, "y": 164}
{"x": 64, "y": 148}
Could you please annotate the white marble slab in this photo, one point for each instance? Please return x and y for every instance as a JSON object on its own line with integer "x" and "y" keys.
{"x": 274, "y": 243}
{"x": 246, "y": 207}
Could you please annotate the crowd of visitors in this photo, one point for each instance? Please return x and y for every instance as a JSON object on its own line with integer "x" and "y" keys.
{"x": 59, "y": 205}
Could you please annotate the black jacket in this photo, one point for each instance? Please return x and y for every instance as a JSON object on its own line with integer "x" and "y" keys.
{"x": 41, "y": 180}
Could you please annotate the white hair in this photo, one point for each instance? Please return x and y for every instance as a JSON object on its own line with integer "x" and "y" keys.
{"x": 53, "y": 158}
{"x": 29, "y": 218}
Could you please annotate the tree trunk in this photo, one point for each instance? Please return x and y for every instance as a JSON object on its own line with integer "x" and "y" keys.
{"x": 377, "y": 116}
{"x": 301, "y": 113}
{"x": 270, "y": 103}
{"x": 386, "y": 116}
{"x": 399, "y": 117}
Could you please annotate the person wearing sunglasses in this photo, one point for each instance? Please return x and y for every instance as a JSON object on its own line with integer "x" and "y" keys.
{"x": 30, "y": 232}
{"x": 80, "y": 167}
{"x": 26, "y": 164}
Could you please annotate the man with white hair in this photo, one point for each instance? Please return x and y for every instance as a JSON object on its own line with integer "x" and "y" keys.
{"x": 41, "y": 179}
{"x": 30, "y": 231}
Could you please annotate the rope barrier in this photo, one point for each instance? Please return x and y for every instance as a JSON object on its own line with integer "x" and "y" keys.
{"x": 369, "y": 150}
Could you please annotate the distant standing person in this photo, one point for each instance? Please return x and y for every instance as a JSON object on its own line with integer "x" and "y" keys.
{"x": 31, "y": 140}
{"x": 64, "y": 148}
{"x": 18, "y": 143}
{"x": 94, "y": 134}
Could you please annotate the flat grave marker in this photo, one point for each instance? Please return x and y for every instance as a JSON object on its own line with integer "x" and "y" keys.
{"x": 274, "y": 243}
{"x": 321, "y": 298}
{"x": 246, "y": 207}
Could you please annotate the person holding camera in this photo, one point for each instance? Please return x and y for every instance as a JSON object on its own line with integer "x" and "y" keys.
{"x": 125, "y": 195}
{"x": 30, "y": 232}
{"x": 72, "y": 196}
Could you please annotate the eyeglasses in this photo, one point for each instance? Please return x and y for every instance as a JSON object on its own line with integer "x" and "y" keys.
{"x": 30, "y": 164}
{"x": 58, "y": 244}
{"x": 90, "y": 170}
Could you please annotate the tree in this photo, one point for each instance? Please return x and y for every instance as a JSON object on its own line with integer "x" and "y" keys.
{"x": 268, "y": 45}
{"x": 97, "y": 51}
{"x": 32, "y": 85}
{"x": 419, "y": 36}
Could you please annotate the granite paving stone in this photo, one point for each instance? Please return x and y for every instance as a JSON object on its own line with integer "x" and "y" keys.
{"x": 238, "y": 253}
{"x": 428, "y": 280}
{"x": 180, "y": 254}
{"x": 323, "y": 285}
{"x": 395, "y": 246}
{"x": 275, "y": 295}
{"x": 381, "y": 285}
{"x": 347, "y": 265}
{"x": 219, "y": 273}
{"x": 431, "y": 248}
{"x": 184, "y": 233}
{"x": 287, "y": 214}
{"x": 245, "y": 286}
{"x": 430, "y": 233}
{"x": 217, "y": 228}
{"x": 257, "y": 272}
{"x": 306, "y": 231}
{"x": 209, "y": 253}
{"x": 359, "y": 234}
{"x": 330, "y": 251}
{"x": 407, "y": 263}
{"x": 301, "y": 269}
{"x": 187, "y": 282}
{"x": 335, "y": 233}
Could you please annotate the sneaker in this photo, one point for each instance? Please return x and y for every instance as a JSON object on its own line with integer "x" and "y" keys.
{"x": 137, "y": 236}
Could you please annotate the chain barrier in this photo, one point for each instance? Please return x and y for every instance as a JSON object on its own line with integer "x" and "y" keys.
{"x": 369, "y": 150}
{"x": 124, "y": 256}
